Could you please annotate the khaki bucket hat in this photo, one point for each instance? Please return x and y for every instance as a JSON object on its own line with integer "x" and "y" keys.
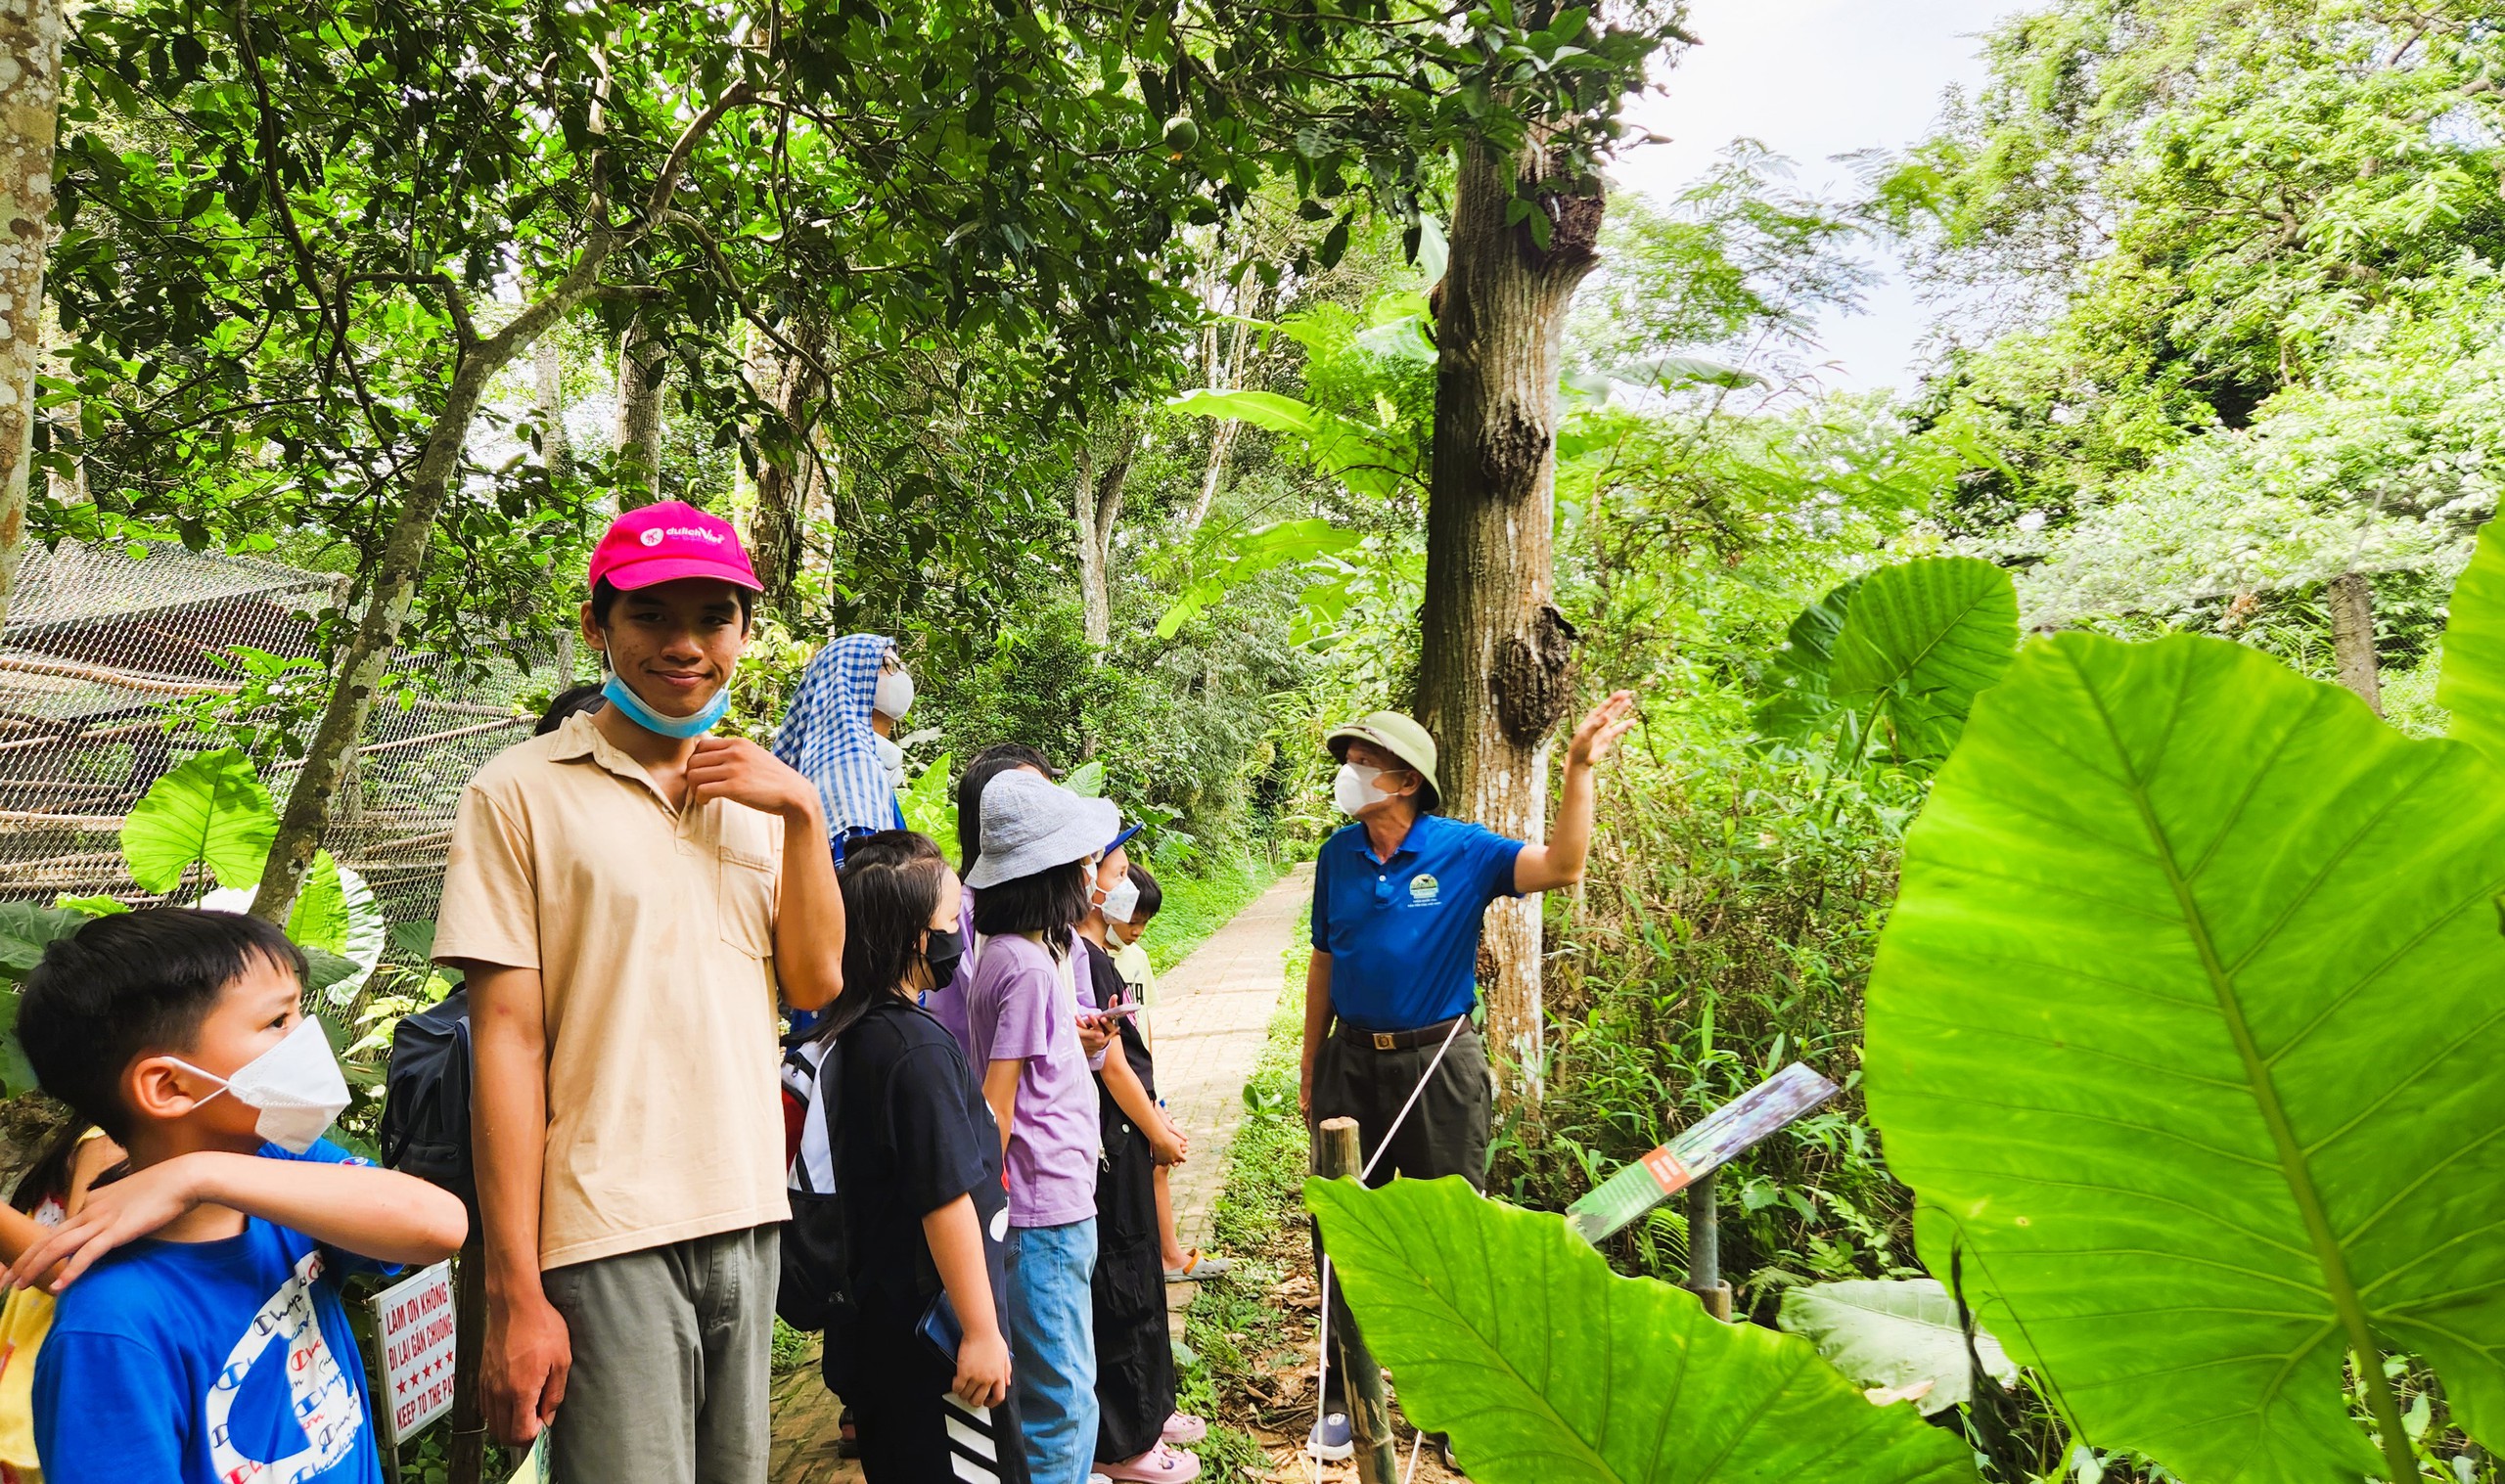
{"x": 1394, "y": 734}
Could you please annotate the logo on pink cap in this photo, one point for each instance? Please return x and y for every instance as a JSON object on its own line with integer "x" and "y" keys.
{"x": 668, "y": 542}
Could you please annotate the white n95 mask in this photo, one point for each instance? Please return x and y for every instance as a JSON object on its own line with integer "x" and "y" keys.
{"x": 1122, "y": 901}
{"x": 1352, "y": 789}
{"x": 296, "y": 1086}
{"x": 893, "y": 697}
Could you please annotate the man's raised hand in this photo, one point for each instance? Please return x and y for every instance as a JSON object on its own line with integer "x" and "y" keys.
{"x": 739, "y": 770}
{"x": 1601, "y": 727}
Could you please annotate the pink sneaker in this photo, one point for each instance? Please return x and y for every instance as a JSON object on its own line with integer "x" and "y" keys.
{"x": 1183, "y": 1429}
{"x": 1160, "y": 1463}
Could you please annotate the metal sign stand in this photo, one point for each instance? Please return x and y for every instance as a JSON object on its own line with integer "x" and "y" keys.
{"x": 1688, "y": 1163}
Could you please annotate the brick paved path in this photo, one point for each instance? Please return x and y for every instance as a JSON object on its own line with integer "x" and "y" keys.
{"x": 1211, "y": 1017}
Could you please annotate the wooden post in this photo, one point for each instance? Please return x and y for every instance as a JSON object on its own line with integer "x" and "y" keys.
{"x": 465, "y": 1459}
{"x": 1704, "y": 1251}
{"x": 1338, "y": 1154}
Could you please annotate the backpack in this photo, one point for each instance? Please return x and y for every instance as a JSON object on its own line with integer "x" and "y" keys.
{"x": 426, "y": 1099}
{"x": 814, "y": 1289}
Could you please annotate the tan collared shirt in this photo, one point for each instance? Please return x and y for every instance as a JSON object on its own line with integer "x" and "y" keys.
{"x": 652, "y": 932}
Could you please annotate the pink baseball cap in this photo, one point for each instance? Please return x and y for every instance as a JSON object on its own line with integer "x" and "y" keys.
{"x": 664, "y": 541}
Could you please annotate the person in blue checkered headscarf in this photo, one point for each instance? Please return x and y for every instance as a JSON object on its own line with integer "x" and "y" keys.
{"x": 839, "y": 734}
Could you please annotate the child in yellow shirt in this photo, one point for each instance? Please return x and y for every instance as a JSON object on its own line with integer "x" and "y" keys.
{"x": 50, "y": 1192}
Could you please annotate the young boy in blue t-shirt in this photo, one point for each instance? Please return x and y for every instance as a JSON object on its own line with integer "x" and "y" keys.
{"x": 200, "y": 1338}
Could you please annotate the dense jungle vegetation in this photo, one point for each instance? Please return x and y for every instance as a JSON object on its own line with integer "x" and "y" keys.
{"x": 1093, "y": 352}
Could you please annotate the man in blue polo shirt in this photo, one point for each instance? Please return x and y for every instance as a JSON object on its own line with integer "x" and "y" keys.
{"x": 1399, "y": 897}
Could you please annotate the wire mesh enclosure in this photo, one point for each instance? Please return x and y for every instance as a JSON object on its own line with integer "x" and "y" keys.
{"x": 104, "y": 657}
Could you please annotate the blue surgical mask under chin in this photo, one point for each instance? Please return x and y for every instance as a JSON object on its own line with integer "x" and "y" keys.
{"x": 680, "y": 727}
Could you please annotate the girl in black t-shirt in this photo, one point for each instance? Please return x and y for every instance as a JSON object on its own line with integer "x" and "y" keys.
{"x": 915, "y": 1162}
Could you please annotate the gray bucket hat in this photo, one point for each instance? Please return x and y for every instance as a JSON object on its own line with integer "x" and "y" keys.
{"x": 1031, "y": 823}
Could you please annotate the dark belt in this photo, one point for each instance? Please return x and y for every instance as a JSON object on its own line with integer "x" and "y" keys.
{"x": 1400, "y": 1040}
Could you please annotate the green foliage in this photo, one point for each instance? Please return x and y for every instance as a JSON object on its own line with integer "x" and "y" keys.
{"x": 320, "y": 917}
{"x": 931, "y": 802}
{"x": 1902, "y": 652}
{"x": 1501, "y": 1327}
{"x": 1240, "y": 557}
{"x": 1726, "y": 926}
{"x": 211, "y": 810}
{"x": 1801, "y": 701}
{"x": 1337, "y": 447}
{"x": 25, "y": 929}
{"x": 2183, "y": 1027}
{"x": 1901, "y": 1337}
{"x": 2472, "y": 683}
{"x": 1920, "y": 640}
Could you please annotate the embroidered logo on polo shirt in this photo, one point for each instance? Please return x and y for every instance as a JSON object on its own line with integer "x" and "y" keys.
{"x": 1423, "y": 889}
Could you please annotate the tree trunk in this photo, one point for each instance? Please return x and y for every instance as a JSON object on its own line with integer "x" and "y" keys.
{"x": 1097, "y": 502}
{"x": 332, "y": 749}
{"x": 785, "y": 481}
{"x": 556, "y": 449}
{"x": 642, "y": 363}
{"x": 31, "y": 32}
{"x": 2351, "y": 598}
{"x": 1222, "y": 373}
{"x": 1495, "y": 657}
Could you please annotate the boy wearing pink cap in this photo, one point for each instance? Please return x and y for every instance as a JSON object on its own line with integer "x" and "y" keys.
{"x": 624, "y": 895}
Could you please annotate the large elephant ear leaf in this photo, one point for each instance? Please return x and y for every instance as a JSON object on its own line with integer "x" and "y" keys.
{"x": 2472, "y": 683}
{"x": 211, "y": 810}
{"x": 1921, "y": 639}
{"x": 1902, "y": 1336}
{"x": 1797, "y": 701}
{"x": 2186, "y": 1030}
{"x": 1508, "y": 1332}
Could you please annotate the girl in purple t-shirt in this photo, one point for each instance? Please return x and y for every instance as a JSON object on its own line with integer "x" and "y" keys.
{"x": 1038, "y": 841}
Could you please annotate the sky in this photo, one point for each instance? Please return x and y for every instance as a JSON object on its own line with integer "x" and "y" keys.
{"x": 1812, "y": 80}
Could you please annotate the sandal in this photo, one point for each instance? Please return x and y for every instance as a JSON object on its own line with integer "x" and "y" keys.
{"x": 848, "y": 1435}
{"x": 1160, "y": 1463}
{"x": 1199, "y": 1266}
{"x": 1183, "y": 1429}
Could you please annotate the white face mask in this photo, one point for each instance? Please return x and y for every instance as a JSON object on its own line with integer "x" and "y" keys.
{"x": 893, "y": 696}
{"x": 1122, "y": 901}
{"x": 1352, "y": 789}
{"x": 296, "y": 1085}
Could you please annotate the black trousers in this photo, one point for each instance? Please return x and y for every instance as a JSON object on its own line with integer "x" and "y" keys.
{"x": 1445, "y": 1133}
{"x": 1134, "y": 1348}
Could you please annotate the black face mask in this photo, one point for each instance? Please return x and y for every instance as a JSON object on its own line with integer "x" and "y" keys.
{"x": 941, "y": 951}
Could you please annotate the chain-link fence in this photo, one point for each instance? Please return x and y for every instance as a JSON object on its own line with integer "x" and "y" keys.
{"x": 105, "y": 654}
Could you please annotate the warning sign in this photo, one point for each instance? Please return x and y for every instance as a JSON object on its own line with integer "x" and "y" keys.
{"x": 413, "y": 1324}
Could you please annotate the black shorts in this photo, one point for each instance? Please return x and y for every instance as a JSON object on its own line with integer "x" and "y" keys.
{"x": 913, "y": 1431}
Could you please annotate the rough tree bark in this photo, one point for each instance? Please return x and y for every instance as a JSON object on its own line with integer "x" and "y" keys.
{"x": 1495, "y": 657}
{"x": 642, "y": 363}
{"x": 394, "y": 579}
{"x": 786, "y": 484}
{"x": 31, "y": 32}
{"x": 1097, "y": 502}
{"x": 548, "y": 387}
{"x": 2351, "y": 598}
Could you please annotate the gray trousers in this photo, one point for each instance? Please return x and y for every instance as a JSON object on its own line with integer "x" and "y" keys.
{"x": 672, "y": 1362}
